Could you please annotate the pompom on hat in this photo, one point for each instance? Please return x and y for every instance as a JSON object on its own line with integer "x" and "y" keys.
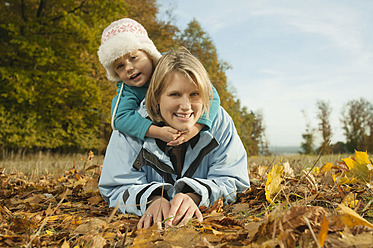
{"x": 122, "y": 37}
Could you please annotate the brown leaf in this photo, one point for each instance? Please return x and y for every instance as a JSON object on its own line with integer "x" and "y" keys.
{"x": 229, "y": 222}
{"x": 217, "y": 207}
{"x": 22, "y": 224}
{"x": 93, "y": 225}
{"x": 147, "y": 237}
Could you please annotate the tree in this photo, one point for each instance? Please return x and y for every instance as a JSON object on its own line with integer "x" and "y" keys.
{"x": 324, "y": 127}
{"x": 357, "y": 123}
{"x": 308, "y": 137}
{"x": 49, "y": 95}
{"x": 54, "y": 92}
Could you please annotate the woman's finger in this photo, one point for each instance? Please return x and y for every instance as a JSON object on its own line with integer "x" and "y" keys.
{"x": 148, "y": 220}
{"x": 199, "y": 215}
{"x": 175, "y": 205}
{"x": 188, "y": 215}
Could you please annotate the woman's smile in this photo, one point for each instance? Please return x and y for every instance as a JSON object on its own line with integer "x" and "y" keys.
{"x": 180, "y": 103}
{"x": 183, "y": 116}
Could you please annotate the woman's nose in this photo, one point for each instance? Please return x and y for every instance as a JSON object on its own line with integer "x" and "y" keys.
{"x": 185, "y": 103}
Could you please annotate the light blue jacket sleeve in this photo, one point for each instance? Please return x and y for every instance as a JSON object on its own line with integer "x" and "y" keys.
{"x": 127, "y": 119}
{"x": 119, "y": 182}
{"x": 227, "y": 174}
{"x": 214, "y": 108}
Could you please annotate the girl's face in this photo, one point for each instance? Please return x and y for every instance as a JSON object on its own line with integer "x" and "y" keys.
{"x": 180, "y": 102}
{"x": 135, "y": 68}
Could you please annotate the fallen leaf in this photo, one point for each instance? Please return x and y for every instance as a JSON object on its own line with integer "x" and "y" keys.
{"x": 324, "y": 227}
{"x": 273, "y": 184}
{"x": 360, "y": 167}
{"x": 350, "y": 200}
{"x": 93, "y": 225}
{"x": 326, "y": 168}
{"x": 288, "y": 171}
{"x": 350, "y": 218}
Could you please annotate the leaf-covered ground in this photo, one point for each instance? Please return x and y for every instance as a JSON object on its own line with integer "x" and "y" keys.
{"x": 329, "y": 206}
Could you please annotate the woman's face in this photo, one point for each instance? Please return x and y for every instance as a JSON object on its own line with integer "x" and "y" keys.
{"x": 180, "y": 102}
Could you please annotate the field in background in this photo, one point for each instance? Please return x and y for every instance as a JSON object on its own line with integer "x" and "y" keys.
{"x": 44, "y": 163}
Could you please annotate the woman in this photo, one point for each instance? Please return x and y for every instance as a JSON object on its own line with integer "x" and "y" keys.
{"x": 159, "y": 182}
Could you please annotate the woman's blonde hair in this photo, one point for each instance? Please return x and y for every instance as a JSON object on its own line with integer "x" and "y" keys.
{"x": 181, "y": 61}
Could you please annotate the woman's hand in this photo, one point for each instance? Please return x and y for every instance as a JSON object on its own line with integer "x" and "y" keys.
{"x": 183, "y": 208}
{"x": 157, "y": 211}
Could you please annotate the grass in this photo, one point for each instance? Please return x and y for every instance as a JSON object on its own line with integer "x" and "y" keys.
{"x": 43, "y": 163}
{"x": 298, "y": 162}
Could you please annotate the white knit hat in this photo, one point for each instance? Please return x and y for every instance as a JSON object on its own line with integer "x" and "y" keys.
{"x": 121, "y": 37}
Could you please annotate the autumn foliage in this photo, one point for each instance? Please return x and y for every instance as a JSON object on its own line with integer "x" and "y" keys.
{"x": 330, "y": 206}
{"x": 54, "y": 93}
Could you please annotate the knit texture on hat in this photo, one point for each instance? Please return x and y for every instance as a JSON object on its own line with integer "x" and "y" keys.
{"x": 122, "y": 37}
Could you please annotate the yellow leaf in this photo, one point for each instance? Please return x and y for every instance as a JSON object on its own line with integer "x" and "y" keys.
{"x": 350, "y": 218}
{"x": 316, "y": 170}
{"x": 324, "y": 227}
{"x": 359, "y": 168}
{"x": 350, "y": 200}
{"x": 346, "y": 180}
{"x": 361, "y": 157}
{"x": 349, "y": 162}
{"x": 326, "y": 167}
{"x": 273, "y": 181}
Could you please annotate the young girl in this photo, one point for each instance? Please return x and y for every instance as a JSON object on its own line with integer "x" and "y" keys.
{"x": 129, "y": 57}
{"x": 163, "y": 183}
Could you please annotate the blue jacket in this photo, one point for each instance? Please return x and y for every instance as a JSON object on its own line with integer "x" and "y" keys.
{"x": 215, "y": 166}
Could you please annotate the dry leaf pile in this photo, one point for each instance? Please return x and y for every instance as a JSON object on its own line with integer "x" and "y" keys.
{"x": 329, "y": 206}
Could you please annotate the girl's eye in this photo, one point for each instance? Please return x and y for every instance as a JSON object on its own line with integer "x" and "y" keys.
{"x": 195, "y": 94}
{"x": 133, "y": 57}
{"x": 119, "y": 66}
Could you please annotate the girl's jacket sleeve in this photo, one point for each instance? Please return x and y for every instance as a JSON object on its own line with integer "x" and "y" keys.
{"x": 214, "y": 108}
{"x": 227, "y": 166}
{"x": 127, "y": 119}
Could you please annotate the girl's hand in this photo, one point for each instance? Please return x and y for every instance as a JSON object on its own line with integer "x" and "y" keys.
{"x": 187, "y": 135}
{"x": 183, "y": 208}
{"x": 157, "y": 211}
{"x": 168, "y": 134}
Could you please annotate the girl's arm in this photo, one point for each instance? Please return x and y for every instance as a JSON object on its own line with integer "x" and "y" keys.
{"x": 129, "y": 121}
{"x": 214, "y": 108}
{"x": 126, "y": 118}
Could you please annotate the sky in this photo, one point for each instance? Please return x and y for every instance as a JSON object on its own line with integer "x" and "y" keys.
{"x": 288, "y": 54}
